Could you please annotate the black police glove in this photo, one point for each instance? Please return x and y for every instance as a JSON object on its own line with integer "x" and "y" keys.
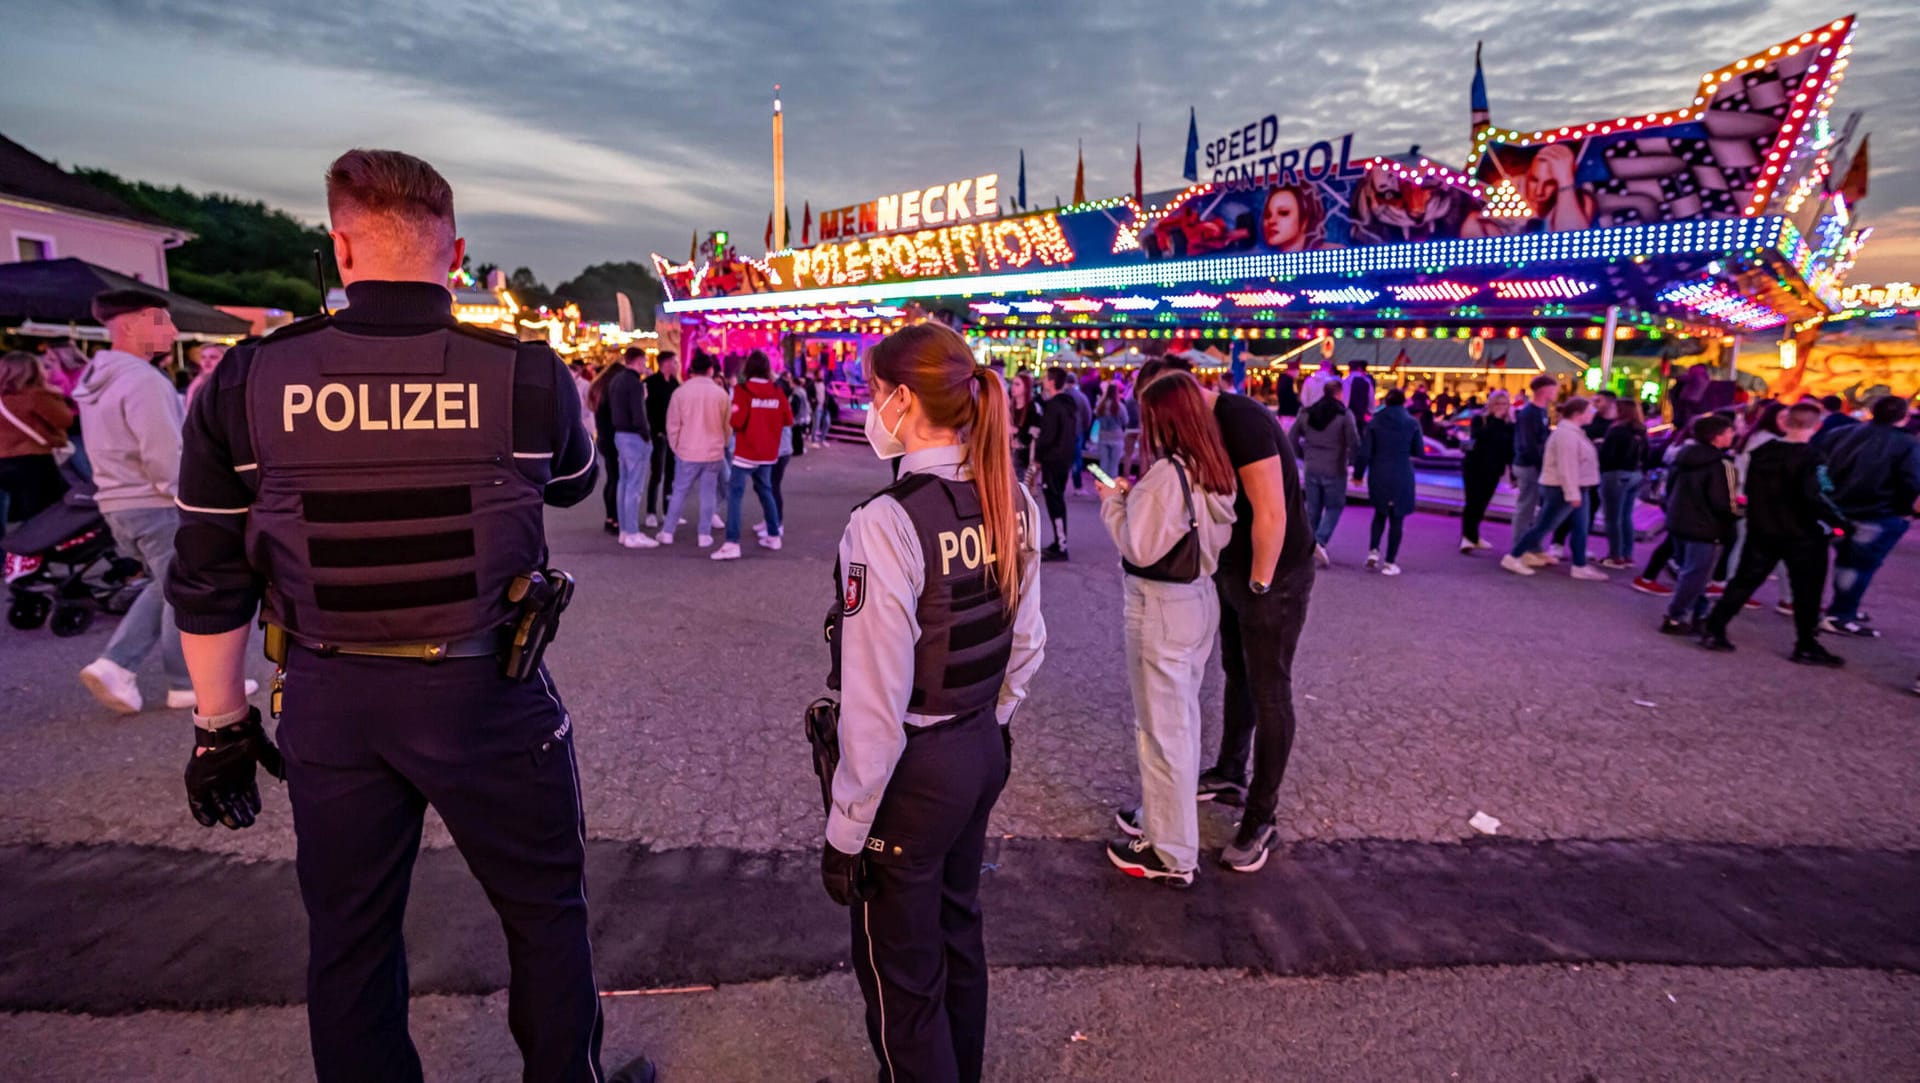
{"x": 845, "y": 876}
{"x": 220, "y": 777}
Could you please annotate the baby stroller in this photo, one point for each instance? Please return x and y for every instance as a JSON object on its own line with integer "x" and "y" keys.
{"x": 81, "y": 572}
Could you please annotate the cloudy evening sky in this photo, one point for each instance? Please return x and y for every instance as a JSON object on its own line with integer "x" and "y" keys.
{"x": 577, "y": 131}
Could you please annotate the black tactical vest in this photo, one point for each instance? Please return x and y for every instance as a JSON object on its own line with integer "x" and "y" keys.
{"x": 389, "y": 508}
{"x": 966, "y": 631}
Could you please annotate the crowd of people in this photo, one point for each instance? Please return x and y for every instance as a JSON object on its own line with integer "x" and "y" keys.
{"x": 1731, "y": 493}
{"x": 111, "y": 423}
{"x": 707, "y": 437}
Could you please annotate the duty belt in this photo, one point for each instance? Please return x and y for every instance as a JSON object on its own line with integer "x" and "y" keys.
{"x": 481, "y": 646}
{"x": 476, "y": 646}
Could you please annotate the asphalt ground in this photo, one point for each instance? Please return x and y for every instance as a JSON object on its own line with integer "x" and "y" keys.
{"x": 1453, "y": 689}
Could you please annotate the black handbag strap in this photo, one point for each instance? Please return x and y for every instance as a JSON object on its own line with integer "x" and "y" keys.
{"x": 1186, "y": 490}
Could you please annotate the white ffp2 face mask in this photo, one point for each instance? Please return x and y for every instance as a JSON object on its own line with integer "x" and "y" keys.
{"x": 884, "y": 441}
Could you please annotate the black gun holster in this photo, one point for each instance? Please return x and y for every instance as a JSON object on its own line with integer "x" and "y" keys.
{"x": 542, "y": 595}
{"x": 823, "y": 733}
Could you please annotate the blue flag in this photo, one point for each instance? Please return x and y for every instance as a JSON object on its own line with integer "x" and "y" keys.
{"x": 1021, "y": 200}
{"x": 1192, "y": 172}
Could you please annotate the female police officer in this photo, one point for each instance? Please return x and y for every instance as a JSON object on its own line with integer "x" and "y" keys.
{"x": 940, "y": 634}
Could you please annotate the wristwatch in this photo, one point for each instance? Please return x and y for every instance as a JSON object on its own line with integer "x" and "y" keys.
{"x": 1258, "y": 587}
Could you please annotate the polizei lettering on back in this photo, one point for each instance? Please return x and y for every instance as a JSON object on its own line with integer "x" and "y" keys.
{"x": 338, "y": 407}
{"x": 969, "y": 544}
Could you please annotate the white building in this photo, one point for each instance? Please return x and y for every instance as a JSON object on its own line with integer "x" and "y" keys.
{"x": 47, "y": 213}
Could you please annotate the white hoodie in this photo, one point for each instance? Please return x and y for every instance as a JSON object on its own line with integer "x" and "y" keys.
{"x": 1149, "y": 519}
{"x": 130, "y": 418}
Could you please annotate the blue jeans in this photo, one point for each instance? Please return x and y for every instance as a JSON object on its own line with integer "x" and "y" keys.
{"x": 1860, "y": 556}
{"x": 1526, "y": 499}
{"x": 1326, "y": 499}
{"x": 762, "y": 477}
{"x": 1619, "y": 491}
{"x": 1554, "y": 510}
{"x": 147, "y": 534}
{"x": 686, "y": 475}
{"x": 1110, "y": 457}
{"x": 1696, "y": 560}
{"x": 634, "y": 453}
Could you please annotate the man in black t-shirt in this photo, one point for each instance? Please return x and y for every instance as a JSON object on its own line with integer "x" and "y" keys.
{"x": 1264, "y": 578}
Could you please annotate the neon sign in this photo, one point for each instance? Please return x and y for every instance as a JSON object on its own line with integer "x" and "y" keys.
{"x": 940, "y": 204}
{"x": 1005, "y": 244}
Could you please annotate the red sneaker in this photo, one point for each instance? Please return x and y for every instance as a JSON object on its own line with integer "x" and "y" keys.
{"x": 1651, "y": 586}
{"x": 19, "y": 567}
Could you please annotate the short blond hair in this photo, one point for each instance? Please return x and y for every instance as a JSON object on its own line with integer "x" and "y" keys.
{"x": 411, "y": 200}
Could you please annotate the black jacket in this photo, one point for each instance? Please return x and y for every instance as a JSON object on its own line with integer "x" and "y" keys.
{"x": 1624, "y": 447}
{"x": 1789, "y": 498}
{"x": 1492, "y": 450}
{"x": 1059, "y": 430}
{"x": 626, "y": 397}
{"x": 1875, "y": 467}
{"x": 1530, "y": 431}
{"x": 659, "y": 393}
{"x": 1700, "y": 495}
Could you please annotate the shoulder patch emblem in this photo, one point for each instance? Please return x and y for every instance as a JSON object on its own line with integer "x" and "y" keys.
{"x": 856, "y": 591}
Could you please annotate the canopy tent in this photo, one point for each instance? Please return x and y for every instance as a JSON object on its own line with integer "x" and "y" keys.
{"x": 54, "y": 298}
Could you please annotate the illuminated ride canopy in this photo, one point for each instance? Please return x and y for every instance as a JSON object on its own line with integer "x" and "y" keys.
{"x": 1717, "y": 215}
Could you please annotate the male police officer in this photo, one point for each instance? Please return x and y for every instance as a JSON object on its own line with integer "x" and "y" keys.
{"x": 373, "y": 481}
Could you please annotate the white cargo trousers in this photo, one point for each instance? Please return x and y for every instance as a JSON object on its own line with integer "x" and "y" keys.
{"x": 1170, "y": 628}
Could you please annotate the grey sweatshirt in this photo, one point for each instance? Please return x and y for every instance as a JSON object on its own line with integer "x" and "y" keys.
{"x": 130, "y": 418}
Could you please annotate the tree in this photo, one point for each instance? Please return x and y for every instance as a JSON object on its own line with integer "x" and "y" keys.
{"x": 242, "y": 253}
{"x": 528, "y": 289}
{"x": 594, "y": 288}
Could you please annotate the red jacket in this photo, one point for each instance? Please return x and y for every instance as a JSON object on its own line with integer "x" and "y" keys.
{"x": 760, "y": 411}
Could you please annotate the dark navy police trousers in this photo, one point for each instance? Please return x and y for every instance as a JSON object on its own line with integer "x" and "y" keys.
{"x": 369, "y": 744}
{"x": 917, "y": 945}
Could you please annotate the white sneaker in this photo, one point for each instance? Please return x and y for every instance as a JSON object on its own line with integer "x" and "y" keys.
{"x": 638, "y": 541}
{"x": 727, "y": 551}
{"x": 719, "y": 523}
{"x": 1557, "y": 552}
{"x": 1373, "y": 560}
{"x": 1466, "y": 546}
{"x": 770, "y": 541}
{"x": 652, "y": 521}
{"x": 665, "y": 537}
{"x": 1516, "y": 565}
{"x": 112, "y": 685}
{"x": 1589, "y": 573}
{"x": 760, "y": 528}
{"x": 182, "y": 699}
{"x": 1482, "y": 545}
{"x": 1320, "y": 556}
{"x": 1389, "y": 568}
{"x": 704, "y": 540}
{"x": 1538, "y": 560}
